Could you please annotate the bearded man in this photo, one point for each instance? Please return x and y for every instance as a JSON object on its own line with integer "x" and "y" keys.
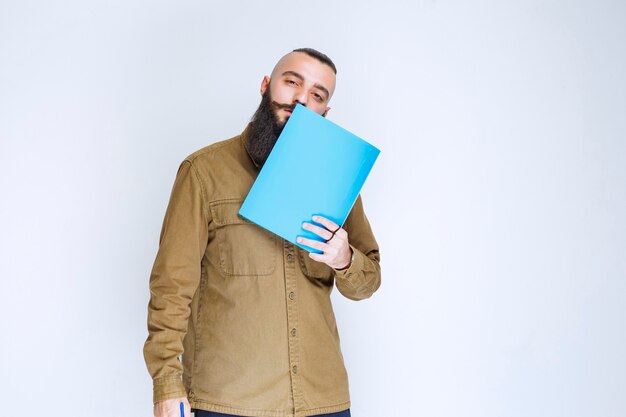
{"x": 240, "y": 321}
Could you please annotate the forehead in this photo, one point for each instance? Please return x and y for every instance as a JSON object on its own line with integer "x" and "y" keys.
{"x": 313, "y": 70}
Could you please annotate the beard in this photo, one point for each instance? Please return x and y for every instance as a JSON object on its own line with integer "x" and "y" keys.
{"x": 265, "y": 127}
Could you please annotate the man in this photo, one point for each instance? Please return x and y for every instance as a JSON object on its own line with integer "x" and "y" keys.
{"x": 248, "y": 312}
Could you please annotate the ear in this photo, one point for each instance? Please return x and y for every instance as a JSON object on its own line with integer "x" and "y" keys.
{"x": 264, "y": 84}
{"x": 326, "y": 111}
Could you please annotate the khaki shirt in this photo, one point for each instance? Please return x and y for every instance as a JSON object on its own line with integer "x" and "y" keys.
{"x": 249, "y": 313}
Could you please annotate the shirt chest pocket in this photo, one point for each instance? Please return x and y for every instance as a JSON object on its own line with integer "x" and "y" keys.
{"x": 245, "y": 249}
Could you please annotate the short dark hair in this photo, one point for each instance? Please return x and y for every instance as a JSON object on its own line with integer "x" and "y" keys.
{"x": 319, "y": 56}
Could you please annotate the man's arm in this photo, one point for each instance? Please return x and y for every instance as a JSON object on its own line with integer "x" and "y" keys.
{"x": 351, "y": 250}
{"x": 173, "y": 282}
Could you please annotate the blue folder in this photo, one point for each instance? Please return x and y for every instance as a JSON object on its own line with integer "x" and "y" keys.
{"x": 315, "y": 168}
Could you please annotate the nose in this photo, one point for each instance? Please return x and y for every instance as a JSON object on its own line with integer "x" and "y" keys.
{"x": 301, "y": 97}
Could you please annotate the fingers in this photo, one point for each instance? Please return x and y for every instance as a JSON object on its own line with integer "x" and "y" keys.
{"x": 317, "y": 257}
{"x": 315, "y": 244}
{"x": 335, "y": 253}
{"x": 320, "y": 231}
{"x": 327, "y": 232}
{"x": 328, "y": 224}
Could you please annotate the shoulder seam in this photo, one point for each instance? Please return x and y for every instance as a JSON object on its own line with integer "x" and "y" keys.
{"x": 202, "y": 190}
{"x": 211, "y": 148}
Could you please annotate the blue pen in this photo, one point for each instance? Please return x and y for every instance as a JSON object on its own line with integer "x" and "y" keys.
{"x": 182, "y": 410}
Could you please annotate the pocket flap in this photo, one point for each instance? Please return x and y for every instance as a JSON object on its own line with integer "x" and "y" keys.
{"x": 226, "y": 212}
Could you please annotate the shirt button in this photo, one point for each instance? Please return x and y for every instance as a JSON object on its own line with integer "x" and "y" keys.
{"x": 292, "y": 295}
{"x": 293, "y": 332}
{"x": 290, "y": 258}
{"x": 294, "y": 369}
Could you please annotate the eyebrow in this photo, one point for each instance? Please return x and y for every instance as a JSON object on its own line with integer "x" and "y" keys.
{"x": 318, "y": 86}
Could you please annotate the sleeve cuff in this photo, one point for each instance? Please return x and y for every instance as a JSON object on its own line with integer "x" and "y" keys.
{"x": 167, "y": 387}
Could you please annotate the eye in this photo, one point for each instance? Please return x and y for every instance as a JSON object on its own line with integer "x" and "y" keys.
{"x": 291, "y": 82}
{"x": 318, "y": 97}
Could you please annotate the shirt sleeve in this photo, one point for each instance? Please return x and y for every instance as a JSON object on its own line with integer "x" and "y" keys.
{"x": 174, "y": 279}
{"x": 362, "y": 278}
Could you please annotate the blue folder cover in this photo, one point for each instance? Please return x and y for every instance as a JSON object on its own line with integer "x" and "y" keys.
{"x": 315, "y": 168}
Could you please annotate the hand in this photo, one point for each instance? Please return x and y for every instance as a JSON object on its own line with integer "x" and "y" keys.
{"x": 171, "y": 408}
{"x": 336, "y": 250}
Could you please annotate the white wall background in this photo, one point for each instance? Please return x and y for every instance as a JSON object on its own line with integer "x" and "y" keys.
{"x": 499, "y": 199}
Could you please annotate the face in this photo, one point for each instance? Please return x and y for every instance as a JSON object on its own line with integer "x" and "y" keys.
{"x": 299, "y": 78}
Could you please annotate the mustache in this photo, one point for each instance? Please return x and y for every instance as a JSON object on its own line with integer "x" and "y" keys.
{"x": 280, "y": 106}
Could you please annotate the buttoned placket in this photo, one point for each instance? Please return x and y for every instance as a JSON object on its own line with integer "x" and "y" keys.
{"x": 291, "y": 298}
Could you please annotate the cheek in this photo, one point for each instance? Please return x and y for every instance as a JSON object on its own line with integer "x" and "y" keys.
{"x": 280, "y": 95}
{"x": 317, "y": 108}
